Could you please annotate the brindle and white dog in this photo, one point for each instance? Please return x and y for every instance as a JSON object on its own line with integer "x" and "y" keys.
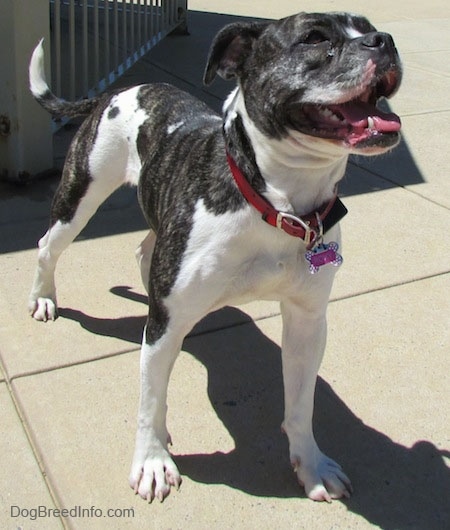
{"x": 233, "y": 204}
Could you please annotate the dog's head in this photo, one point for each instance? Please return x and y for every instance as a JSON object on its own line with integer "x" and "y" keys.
{"x": 319, "y": 74}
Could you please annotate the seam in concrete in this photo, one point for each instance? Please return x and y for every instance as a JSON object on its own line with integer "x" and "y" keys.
{"x": 215, "y": 329}
{"x": 26, "y": 427}
{"x": 390, "y": 286}
{"x": 75, "y": 363}
{"x": 34, "y": 446}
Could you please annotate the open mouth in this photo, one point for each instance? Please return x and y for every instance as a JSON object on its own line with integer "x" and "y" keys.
{"x": 358, "y": 122}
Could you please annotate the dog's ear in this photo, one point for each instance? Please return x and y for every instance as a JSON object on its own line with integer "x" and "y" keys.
{"x": 230, "y": 48}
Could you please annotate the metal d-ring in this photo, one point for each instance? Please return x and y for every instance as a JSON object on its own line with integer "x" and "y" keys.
{"x": 319, "y": 237}
{"x": 310, "y": 233}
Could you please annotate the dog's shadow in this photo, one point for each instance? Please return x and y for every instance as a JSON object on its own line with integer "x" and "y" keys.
{"x": 396, "y": 487}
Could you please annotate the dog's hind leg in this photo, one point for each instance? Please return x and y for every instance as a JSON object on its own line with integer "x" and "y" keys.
{"x": 98, "y": 162}
{"x": 72, "y": 208}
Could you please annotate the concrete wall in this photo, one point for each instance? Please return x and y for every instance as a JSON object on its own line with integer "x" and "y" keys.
{"x": 25, "y": 128}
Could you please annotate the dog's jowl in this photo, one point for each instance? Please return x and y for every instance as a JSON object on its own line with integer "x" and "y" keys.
{"x": 239, "y": 208}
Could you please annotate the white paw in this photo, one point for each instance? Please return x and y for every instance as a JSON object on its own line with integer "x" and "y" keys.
{"x": 154, "y": 475}
{"x": 324, "y": 480}
{"x": 43, "y": 309}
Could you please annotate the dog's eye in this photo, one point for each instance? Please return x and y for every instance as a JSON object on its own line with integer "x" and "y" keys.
{"x": 315, "y": 37}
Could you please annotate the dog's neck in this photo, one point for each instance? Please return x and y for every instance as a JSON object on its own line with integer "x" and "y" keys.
{"x": 296, "y": 174}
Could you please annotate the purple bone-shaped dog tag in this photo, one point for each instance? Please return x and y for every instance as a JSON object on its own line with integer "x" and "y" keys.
{"x": 323, "y": 254}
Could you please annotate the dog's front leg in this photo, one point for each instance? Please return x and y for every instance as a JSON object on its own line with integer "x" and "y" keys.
{"x": 153, "y": 471}
{"x": 303, "y": 344}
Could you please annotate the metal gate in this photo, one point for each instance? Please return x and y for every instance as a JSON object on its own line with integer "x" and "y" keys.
{"x": 93, "y": 42}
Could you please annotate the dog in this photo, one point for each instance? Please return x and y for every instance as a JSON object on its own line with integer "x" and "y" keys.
{"x": 240, "y": 207}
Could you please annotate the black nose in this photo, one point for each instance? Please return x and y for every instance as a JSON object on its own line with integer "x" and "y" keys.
{"x": 376, "y": 39}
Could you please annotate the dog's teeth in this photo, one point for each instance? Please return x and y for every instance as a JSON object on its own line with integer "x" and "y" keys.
{"x": 327, "y": 112}
{"x": 370, "y": 123}
{"x": 329, "y": 115}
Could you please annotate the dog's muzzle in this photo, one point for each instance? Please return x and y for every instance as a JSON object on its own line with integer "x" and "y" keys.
{"x": 354, "y": 118}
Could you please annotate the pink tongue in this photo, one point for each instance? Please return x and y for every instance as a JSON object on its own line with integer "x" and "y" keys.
{"x": 357, "y": 112}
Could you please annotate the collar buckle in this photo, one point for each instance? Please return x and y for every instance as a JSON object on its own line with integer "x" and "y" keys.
{"x": 309, "y": 231}
{"x": 284, "y": 218}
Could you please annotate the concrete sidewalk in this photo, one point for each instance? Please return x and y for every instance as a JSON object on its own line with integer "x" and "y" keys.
{"x": 69, "y": 389}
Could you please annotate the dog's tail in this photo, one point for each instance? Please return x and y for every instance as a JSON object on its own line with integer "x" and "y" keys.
{"x": 57, "y": 107}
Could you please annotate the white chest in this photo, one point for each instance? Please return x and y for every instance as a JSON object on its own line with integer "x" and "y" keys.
{"x": 236, "y": 258}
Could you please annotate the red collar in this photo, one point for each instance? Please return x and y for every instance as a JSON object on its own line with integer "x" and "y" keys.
{"x": 308, "y": 228}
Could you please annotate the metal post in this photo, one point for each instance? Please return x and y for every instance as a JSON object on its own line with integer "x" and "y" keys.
{"x": 124, "y": 34}
{"x": 25, "y": 128}
{"x": 85, "y": 49}
{"x": 72, "y": 50}
{"x": 107, "y": 43}
{"x": 96, "y": 46}
{"x": 56, "y": 43}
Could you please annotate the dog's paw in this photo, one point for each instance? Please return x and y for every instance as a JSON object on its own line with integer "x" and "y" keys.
{"x": 43, "y": 309}
{"x": 324, "y": 480}
{"x": 153, "y": 476}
